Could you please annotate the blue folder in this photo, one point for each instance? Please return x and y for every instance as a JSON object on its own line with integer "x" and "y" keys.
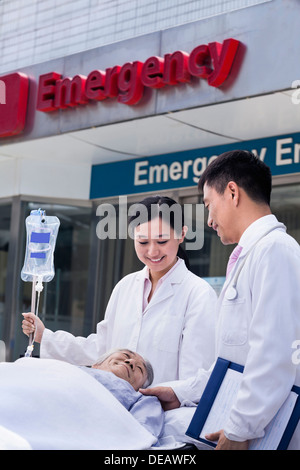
{"x": 210, "y": 393}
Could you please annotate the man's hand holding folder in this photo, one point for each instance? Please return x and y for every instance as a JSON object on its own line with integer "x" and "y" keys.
{"x": 224, "y": 443}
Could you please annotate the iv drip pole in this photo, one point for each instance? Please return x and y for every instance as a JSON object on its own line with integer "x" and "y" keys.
{"x": 38, "y": 264}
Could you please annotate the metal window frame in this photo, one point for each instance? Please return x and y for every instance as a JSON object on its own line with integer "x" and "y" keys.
{"x": 13, "y": 270}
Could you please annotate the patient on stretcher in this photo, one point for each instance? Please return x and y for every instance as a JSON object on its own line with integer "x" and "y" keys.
{"x": 123, "y": 372}
{"x": 56, "y": 405}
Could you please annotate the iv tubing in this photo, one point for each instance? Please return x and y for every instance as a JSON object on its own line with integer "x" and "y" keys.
{"x": 33, "y": 295}
{"x": 37, "y": 286}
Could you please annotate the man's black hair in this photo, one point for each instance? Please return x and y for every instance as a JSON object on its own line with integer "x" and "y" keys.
{"x": 245, "y": 169}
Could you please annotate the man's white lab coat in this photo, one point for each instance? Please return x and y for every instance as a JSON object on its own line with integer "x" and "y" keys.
{"x": 175, "y": 332}
{"x": 257, "y": 330}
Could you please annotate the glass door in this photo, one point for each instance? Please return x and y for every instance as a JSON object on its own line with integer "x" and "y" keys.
{"x": 208, "y": 262}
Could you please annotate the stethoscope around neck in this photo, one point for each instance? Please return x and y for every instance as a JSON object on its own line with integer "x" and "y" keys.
{"x": 231, "y": 292}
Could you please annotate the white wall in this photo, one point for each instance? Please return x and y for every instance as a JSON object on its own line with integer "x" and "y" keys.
{"x": 44, "y": 178}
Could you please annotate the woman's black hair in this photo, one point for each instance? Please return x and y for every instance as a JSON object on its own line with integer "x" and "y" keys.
{"x": 154, "y": 208}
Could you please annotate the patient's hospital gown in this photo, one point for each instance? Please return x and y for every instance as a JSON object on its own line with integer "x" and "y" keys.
{"x": 146, "y": 409}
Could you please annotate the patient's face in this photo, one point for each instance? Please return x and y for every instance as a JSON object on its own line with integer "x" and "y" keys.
{"x": 127, "y": 365}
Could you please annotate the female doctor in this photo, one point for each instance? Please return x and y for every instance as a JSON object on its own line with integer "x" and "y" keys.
{"x": 163, "y": 312}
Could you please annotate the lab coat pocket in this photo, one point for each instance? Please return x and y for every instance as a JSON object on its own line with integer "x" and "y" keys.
{"x": 234, "y": 322}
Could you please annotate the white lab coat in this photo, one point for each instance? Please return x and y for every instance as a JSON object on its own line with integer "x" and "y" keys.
{"x": 257, "y": 330}
{"x": 175, "y": 332}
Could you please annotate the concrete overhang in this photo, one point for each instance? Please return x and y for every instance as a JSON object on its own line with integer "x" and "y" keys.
{"x": 61, "y": 146}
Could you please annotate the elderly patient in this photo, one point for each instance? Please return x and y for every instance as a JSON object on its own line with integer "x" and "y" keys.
{"x": 123, "y": 373}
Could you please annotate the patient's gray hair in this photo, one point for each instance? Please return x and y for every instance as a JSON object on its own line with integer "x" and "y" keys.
{"x": 149, "y": 368}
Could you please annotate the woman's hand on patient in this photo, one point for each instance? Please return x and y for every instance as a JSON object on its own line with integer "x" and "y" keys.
{"x": 32, "y": 323}
{"x": 166, "y": 396}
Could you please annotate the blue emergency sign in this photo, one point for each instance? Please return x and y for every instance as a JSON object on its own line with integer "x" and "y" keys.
{"x": 183, "y": 169}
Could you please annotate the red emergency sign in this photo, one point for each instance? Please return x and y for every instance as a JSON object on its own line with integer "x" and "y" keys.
{"x": 126, "y": 83}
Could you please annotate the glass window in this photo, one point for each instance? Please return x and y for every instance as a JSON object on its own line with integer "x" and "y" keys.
{"x": 285, "y": 204}
{"x": 63, "y": 300}
{"x": 211, "y": 261}
{"x": 118, "y": 258}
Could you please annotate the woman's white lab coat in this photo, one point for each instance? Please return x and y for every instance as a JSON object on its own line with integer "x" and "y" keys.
{"x": 175, "y": 332}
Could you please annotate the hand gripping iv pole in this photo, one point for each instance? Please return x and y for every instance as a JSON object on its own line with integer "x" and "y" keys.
{"x": 41, "y": 234}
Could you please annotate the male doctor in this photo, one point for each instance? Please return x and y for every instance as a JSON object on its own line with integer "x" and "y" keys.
{"x": 259, "y": 321}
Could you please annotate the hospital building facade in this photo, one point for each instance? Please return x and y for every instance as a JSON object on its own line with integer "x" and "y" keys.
{"x": 105, "y": 102}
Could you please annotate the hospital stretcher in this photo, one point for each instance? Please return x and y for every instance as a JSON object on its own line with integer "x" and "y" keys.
{"x": 173, "y": 437}
{"x": 74, "y": 412}
{"x": 176, "y": 422}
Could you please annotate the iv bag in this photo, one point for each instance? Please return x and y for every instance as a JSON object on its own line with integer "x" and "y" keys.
{"x": 41, "y": 233}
